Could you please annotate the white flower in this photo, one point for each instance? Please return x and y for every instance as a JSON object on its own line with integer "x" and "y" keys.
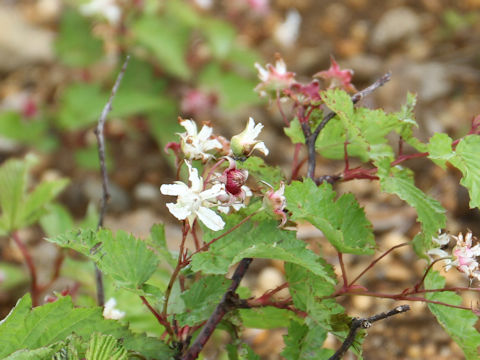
{"x": 442, "y": 239}
{"x": 109, "y": 311}
{"x": 286, "y": 33}
{"x": 195, "y": 144}
{"x": 193, "y": 201}
{"x": 244, "y": 143}
{"x": 106, "y": 8}
{"x": 235, "y": 202}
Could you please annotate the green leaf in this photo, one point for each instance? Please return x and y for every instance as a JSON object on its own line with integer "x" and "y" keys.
{"x": 241, "y": 352}
{"x": 458, "y": 323}
{"x": 34, "y": 205}
{"x": 31, "y": 132}
{"x": 440, "y": 149}
{"x": 466, "y": 160}
{"x": 295, "y": 132}
{"x": 126, "y": 259}
{"x": 41, "y": 353}
{"x": 407, "y": 122}
{"x": 57, "y": 221}
{"x": 399, "y": 181}
{"x": 235, "y": 90}
{"x": 343, "y": 222}
{"x": 307, "y": 291}
{"x": 20, "y": 208}
{"x": 202, "y": 299}
{"x": 75, "y": 44}
{"x": 168, "y": 41}
{"x": 158, "y": 241}
{"x": 258, "y": 168}
{"x": 220, "y": 36}
{"x": 302, "y": 343}
{"x": 257, "y": 239}
{"x": 80, "y": 106}
{"x": 268, "y": 317}
{"x": 105, "y": 347}
{"x": 26, "y": 328}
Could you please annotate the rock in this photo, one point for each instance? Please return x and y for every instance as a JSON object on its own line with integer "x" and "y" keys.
{"x": 395, "y": 25}
{"x": 147, "y": 193}
{"x": 20, "y": 42}
{"x": 119, "y": 199}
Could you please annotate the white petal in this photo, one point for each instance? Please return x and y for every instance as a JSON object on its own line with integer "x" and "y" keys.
{"x": 190, "y": 126}
{"x": 261, "y": 147}
{"x": 174, "y": 189}
{"x": 262, "y": 72}
{"x": 179, "y": 211}
{"x": 213, "y": 192}
{"x": 212, "y": 144}
{"x": 205, "y": 133}
{"x": 442, "y": 239}
{"x": 437, "y": 252}
{"x": 195, "y": 181}
{"x": 210, "y": 218}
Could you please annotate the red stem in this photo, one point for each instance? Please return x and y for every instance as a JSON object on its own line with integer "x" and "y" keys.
{"x": 158, "y": 316}
{"x": 372, "y": 264}
{"x": 30, "y": 265}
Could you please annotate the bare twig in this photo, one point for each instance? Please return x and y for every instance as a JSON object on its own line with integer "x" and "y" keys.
{"x": 226, "y": 304}
{"x": 103, "y": 170}
{"x": 364, "y": 324}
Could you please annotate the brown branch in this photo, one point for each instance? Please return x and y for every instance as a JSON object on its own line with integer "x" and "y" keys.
{"x": 226, "y": 304}
{"x": 365, "y": 323}
{"x": 103, "y": 170}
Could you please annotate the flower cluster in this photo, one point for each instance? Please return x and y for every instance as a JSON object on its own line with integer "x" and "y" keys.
{"x": 464, "y": 256}
{"x": 219, "y": 190}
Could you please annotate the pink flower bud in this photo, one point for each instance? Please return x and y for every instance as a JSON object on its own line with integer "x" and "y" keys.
{"x": 338, "y": 78}
{"x": 276, "y": 201}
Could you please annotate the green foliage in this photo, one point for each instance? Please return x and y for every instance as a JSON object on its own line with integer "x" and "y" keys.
{"x": 343, "y": 221}
{"x": 46, "y": 325}
{"x": 458, "y": 323}
{"x": 399, "y": 181}
{"x": 80, "y": 106}
{"x": 302, "y": 343}
{"x": 260, "y": 238}
{"x": 268, "y": 317}
{"x": 21, "y": 208}
{"x": 75, "y": 45}
{"x": 202, "y": 298}
{"x": 126, "y": 259}
{"x": 167, "y": 39}
{"x": 256, "y": 167}
{"x": 105, "y": 347}
{"x": 295, "y": 132}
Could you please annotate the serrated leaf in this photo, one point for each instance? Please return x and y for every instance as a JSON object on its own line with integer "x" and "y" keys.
{"x": 295, "y": 132}
{"x": 468, "y": 162}
{"x": 34, "y": 203}
{"x": 41, "y": 353}
{"x": 258, "y": 239}
{"x": 75, "y": 45}
{"x": 258, "y": 168}
{"x": 399, "y": 181}
{"x": 168, "y": 41}
{"x": 126, "y": 259}
{"x": 105, "y": 347}
{"x": 458, "y": 323}
{"x": 407, "y": 122}
{"x": 28, "y": 329}
{"x": 80, "y": 106}
{"x": 302, "y": 343}
{"x": 440, "y": 149}
{"x": 268, "y": 317}
{"x": 343, "y": 222}
{"x": 202, "y": 299}
{"x": 20, "y": 208}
